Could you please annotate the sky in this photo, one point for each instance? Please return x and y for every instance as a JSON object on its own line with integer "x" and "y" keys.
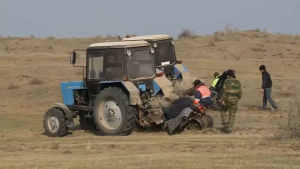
{"x": 88, "y": 18}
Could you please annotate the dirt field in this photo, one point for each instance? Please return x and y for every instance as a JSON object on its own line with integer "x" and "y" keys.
{"x": 31, "y": 70}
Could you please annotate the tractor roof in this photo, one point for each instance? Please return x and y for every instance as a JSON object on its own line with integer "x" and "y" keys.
{"x": 148, "y": 37}
{"x": 119, "y": 44}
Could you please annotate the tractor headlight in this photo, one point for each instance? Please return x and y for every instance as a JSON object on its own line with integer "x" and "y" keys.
{"x": 128, "y": 52}
{"x": 172, "y": 42}
{"x": 152, "y": 50}
{"x": 155, "y": 45}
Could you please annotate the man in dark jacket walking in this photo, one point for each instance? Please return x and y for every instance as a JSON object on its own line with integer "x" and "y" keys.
{"x": 266, "y": 88}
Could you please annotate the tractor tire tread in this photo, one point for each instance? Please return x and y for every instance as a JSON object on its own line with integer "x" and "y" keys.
{"x": 130, "y": 110}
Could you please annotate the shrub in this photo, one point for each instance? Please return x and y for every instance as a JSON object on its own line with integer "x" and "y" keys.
{"x": 256, "y": 35}
{"x": 35, "y": 81}
{"x": 186, "y": 33}
{"x": 291, "y": 129}
{"x": 297, "y": 37}
{"x": 51, "y": 37}
{"x": 237, "y": 58}
{"x": 12, "y": 87}
{"x": 258, "y": 49}
{"x": 211, "y": 43}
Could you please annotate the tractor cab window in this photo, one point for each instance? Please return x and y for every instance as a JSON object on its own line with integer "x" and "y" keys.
{"x": 95, "y": 66}
{"x": 140, "y": 63}
{"x": 114, "y": 69}
{"x": 164, "y": 53}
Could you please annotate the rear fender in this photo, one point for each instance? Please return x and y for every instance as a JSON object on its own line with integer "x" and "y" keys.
{"x": 67, "y": 112}
{"x": 133, "y": 91}
{"x": 180, "y": 69}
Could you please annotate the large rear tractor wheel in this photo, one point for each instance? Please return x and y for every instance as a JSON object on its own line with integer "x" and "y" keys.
{"x": 112, "y": 113}
{"x": 55, "y": 123}
{"x": 87, "y": 123}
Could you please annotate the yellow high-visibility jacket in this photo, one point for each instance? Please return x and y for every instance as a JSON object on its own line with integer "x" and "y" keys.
{"x": 215, "y": 81}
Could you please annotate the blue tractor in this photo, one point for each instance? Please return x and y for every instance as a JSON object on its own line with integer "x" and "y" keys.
{"x": 114, "y": 95}
{"x": 165, "y": 56}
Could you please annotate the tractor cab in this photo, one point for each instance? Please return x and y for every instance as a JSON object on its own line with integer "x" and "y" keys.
{"x": 165, "y": 55}
{"x": 118, "y": 61}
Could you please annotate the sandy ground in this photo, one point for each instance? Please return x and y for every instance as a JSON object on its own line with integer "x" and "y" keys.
{"x": 251, "y": 145}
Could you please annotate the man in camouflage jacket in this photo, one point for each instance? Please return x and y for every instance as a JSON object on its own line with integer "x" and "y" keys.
{"x": 231, "y": 94}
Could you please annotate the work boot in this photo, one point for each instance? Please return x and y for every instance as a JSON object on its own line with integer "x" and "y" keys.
{"x": 228, "y": 130}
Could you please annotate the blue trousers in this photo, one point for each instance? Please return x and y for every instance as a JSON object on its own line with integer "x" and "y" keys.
{"x": 267, "y": 97}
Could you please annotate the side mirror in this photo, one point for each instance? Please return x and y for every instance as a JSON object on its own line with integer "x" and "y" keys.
{"x": 73, "y": 58}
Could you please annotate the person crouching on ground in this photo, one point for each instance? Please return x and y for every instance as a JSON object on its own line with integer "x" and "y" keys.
{"x": 231, "y": 94}
{"x": 177, "y": 106}
{"x": 202, "y": 94}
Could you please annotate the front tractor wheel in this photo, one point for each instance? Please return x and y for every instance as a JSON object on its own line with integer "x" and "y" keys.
{"x": 112, "y": 113}
{"x": 55, "y": 123}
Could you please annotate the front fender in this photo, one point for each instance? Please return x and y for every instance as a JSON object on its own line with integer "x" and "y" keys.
{"x": 180, "y": 69}
{"x": 162, "y": 84}
{"x": 67, "y": 112}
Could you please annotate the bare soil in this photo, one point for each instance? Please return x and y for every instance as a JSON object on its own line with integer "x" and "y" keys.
{"x": 32, "y": 69}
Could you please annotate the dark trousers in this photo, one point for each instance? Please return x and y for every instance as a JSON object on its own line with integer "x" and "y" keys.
{"x": 167, "y": 113}
{"x": 267, "y": 97}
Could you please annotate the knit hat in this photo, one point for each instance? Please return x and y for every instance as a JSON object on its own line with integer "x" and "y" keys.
{"x": 197, "y": 83}
{"x": 230, "y": 73}
{"x": 262, "y": 67}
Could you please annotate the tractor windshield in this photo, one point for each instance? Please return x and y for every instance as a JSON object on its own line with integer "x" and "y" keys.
{"x": 140, "y": 63}
{"x": 164, "y": 53}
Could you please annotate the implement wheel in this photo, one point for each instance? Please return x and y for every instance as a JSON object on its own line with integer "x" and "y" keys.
{"x": 112, "y": 113}
{"x": 200, "y": 123}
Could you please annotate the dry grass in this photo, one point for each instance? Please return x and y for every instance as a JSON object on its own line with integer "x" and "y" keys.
{"x": 151, "y": 151}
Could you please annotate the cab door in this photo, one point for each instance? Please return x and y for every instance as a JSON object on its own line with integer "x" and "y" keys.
{"x": 94, "y": 71}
